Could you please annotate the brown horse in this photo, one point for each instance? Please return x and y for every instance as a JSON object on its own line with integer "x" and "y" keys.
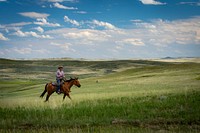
{"x": 50, "y": 88}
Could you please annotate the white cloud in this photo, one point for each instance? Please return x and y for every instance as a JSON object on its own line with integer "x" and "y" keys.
{"x": 81, "y": 12}
{"x": 132, "y": 41}
{"x": 23, "y": 50}
{"x": 158, "y": 35}
{"x": 2, "y": 37}
{"x": 190, "y": 3}
{"x": 91, "y": 24}
{"x": 63, "y": 46}
{"x": 106, "y": 25}
{"x": 13, "y": 26}
{"x": 62, "y": 0}
{"x": 136, "y": 21}
{"x": 44, "y": 22}
{"x": 40, "y": 29}
{"x": 152, "y": 2}
{"x": 55, "y": 0}
{"x": 74, "y": 22}
{"x": 28, "y": 50}
{"x": 85, "y": 36}
{"x": 19, "y": 33}
{"x": 18, "y": 24}
{"x": 57, "y": 5}
{"x": 157, "y": 32}
{"x": 161, "y": 32}
{"x": 34, "y": 15}
{"x": 42, "y": 51}
{"x": 31, "y": 33}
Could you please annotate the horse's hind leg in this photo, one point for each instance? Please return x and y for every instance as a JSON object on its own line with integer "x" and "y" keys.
{"x": 43, "y": 93}
{"x": 47, "y": 97}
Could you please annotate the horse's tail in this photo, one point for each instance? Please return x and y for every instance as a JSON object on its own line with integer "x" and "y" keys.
{"x": 45, "y": 90}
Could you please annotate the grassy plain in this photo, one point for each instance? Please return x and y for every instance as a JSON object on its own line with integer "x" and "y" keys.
{"x": 115, "y": 96}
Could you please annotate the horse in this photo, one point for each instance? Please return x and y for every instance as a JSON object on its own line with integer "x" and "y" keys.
{"x": 50, "y": 88}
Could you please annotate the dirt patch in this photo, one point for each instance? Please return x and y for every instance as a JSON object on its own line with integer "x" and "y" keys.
{"x": 146, "y": 76}
{"x": 136, "y": 123}
{"x": 198, "y": 78}
{"x": 26, "y": 126}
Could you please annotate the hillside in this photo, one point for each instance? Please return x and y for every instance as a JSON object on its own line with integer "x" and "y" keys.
{"x": 45, "y": 69}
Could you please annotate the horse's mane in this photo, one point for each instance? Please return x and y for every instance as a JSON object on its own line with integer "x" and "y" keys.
{"x": 69, "y": 80}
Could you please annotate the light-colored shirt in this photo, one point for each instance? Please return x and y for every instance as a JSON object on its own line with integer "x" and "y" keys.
{"x": 60, "y": 74}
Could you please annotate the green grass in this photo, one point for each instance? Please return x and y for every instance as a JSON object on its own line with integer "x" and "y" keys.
{"x": 152, "y": 112}
{"x": 137, "y": 96}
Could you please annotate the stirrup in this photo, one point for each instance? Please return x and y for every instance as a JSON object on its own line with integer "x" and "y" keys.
{"x": 58, "y": 92}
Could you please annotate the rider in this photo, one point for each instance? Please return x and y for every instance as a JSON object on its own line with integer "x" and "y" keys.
{"x": 59, "y": 77}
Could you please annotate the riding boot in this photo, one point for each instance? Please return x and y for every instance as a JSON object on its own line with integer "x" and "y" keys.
{"x": 58, "y": 86}
{"x": 58, "y": 89}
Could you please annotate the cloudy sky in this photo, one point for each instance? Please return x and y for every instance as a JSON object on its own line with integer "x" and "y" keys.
{"x": 99, "y": 29}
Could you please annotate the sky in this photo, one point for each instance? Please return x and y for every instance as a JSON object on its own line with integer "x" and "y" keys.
{"x": 99, "y": 29}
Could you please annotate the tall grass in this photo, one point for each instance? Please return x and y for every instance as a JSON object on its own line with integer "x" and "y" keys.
{"x": 177, "y": 111}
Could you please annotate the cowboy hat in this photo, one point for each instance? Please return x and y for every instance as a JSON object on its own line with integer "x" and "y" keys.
{"x": 60, "y": 67}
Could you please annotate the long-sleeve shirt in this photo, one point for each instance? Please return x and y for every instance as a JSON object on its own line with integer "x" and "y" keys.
{"x": 60, "y": 74}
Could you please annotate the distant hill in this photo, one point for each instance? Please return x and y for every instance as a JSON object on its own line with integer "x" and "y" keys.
{"x": 179, "y": 59}
{"x": 44, "y": 69}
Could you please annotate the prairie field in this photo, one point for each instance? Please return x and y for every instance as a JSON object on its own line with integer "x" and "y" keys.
{"x": 115, "y": 96}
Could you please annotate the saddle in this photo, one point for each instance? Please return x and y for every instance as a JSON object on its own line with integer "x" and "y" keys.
{"x": 61, "y": 85}
{"x": 56, "y": 84}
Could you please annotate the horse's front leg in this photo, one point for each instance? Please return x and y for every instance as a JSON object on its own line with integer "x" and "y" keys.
{"x": 69, "y": 96}
{"x": 66, "y": 94}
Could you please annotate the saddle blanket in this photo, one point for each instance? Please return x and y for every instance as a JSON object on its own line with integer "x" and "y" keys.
{"x": 56, "y": 84}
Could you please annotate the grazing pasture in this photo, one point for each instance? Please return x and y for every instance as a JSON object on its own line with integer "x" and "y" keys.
{"x": 115, "y": 96}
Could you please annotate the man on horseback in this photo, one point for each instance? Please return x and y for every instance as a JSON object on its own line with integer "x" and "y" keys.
{"x": 59, "y": 77}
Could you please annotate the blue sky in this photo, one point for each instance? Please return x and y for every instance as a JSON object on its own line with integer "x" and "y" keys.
{"x": 99, "y": 29}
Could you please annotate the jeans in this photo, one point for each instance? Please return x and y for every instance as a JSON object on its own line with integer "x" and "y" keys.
{"x": 58, "y": 84}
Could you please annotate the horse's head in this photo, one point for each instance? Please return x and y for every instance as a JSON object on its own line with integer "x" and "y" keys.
{"x": 76, "y": 82}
